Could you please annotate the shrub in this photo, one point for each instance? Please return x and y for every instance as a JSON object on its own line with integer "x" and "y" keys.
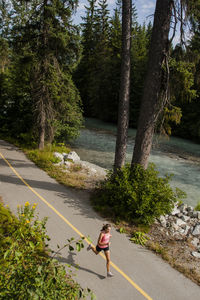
{"x": 197, "y": 207}
{"x": 139, "y": 238}
{"x": 26, "y": 269}
{"x": 135, "y": 194}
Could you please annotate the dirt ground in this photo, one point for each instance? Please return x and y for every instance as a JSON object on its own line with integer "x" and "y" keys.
{"x": 177, "y": 252}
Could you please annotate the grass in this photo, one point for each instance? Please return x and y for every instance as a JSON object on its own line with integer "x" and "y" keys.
{"x": 45, "y": 160}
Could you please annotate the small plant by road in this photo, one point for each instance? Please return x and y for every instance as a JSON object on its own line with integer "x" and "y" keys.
{"x": 139, "y": 237}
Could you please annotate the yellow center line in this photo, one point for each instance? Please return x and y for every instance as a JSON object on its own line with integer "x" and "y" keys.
{"x": 75, "y": 229}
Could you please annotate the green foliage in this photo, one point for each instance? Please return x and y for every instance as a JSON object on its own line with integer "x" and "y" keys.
{"x": 135, "y": 194}
{"x": 182, "y": 79}
{"x": 36, "y": 88}
{"x": 139, "y": 56}
{"x": 139, "y": 238}
{"x": 26, "y": 270}
{"x": 197, "y": 207}
{"x": 122, "y": 230}
{"x": 45, "y": 159}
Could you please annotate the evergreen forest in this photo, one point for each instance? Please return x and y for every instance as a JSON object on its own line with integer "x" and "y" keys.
{"x": 53, "y": 73}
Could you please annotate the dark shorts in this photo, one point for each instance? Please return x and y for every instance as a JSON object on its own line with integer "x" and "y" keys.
{"x": 99, "y": 249}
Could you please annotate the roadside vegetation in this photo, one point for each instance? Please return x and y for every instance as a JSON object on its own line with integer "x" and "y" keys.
{"x": 28, "y": 269}
{"x": 45, "y": 160}
{"x": 136, "y": 195}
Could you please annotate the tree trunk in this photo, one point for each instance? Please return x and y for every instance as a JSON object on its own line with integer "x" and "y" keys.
{"x": 42, "y": 130}
{"x": 123, "y": 110}
{"x": 42, "y": 107}
{"x": 151, "y": 101}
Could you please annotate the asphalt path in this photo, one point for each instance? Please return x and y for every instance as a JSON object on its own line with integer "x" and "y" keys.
{"x": 138, "y": 273}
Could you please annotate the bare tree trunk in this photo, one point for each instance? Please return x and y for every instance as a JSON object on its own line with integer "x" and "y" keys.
{"x": 123, "y": 110}
{"x": 42, "y": 107}
{"x": 42, "y": 129}
{"x": 151, "y": 101}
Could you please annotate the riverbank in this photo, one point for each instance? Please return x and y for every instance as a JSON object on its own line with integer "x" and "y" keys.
{"x": 175, "y": 237}
{"x": 175, "y": 249}
{"x": 179, "y": 157}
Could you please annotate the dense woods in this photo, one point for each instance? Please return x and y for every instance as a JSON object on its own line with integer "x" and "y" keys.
{"x": 53, "y": 72}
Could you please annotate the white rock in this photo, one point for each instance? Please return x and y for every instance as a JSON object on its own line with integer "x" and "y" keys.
{"x": 175, "y": 211}
{"x": 187, "y": 228}
{"x": 195, "y": 242}
{"x": 181, "y": 231}
{"x": 163, "y": 221}
{"x": 196, "y": 230}
{"x": 196, "y": 254}
{"x": 59, "y": 164}
{"x": 180, "y": 223}
{"x": 93, "y": 169}
{"x": 185, "y": 218}
{"x": 198, "y": 215}
{"x": 194, "y": 214}
{"x": 68, "y": 164}
{"x": 58, "y": 155}
{"x": 190, "y": 208}
{"x": 175, "y": 227}
{"x": 73, "y": 156}
{"x": 183, "y": 207}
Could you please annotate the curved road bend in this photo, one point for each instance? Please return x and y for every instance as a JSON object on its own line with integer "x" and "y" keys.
{"x": 139, "y": 274}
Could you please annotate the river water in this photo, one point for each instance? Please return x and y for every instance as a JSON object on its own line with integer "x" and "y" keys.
{"x": 177, "y": 156}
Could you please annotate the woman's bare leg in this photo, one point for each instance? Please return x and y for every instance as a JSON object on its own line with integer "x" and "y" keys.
{"x": 94, "y": 250}
{"x": 107, "y": 254}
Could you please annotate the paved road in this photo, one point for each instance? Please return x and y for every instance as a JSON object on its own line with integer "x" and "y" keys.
{"x": 139, "y": 274}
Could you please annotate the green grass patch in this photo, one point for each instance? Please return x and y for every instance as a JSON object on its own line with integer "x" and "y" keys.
{"x": 46, "y": 160}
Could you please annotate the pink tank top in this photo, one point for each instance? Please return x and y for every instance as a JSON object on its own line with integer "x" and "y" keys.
{"x": 105, "y": 239}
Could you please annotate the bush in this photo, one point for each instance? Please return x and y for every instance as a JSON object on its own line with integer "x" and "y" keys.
{"x": 197, "y": 207}
{"x": 136, "y": 195}
{"x": 26, "y": 269}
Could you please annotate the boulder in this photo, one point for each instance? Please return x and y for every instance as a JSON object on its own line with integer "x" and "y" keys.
{"x": 196, "y": 230}
{"x": 185, "y": 218}
{"x": 175, "y": 211}
{"x": 59, "y": 155}
{"x": 163, "y": 221}
{"x": 180, "y": 223}
{"x": 195, "y": 242}
{"x": 73, "y": 156}
{"x": 190, "y": 208}
{"x": 67, "y": 164}
{"x": 183, "y": 208}
{"x": 196, "y": 254}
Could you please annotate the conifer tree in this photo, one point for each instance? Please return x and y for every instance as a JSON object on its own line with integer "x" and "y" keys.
{"x": 46, "y": 48}
{"x": 101, "y": 56}
{"x": 83, "y": 74}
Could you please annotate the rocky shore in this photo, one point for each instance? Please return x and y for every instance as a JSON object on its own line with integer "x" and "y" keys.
{"x": 176, "y": 237}
{"x": 183, "y": 224}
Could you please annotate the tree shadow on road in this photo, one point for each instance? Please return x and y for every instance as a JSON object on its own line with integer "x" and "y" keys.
{"x": 70, "y": 260}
